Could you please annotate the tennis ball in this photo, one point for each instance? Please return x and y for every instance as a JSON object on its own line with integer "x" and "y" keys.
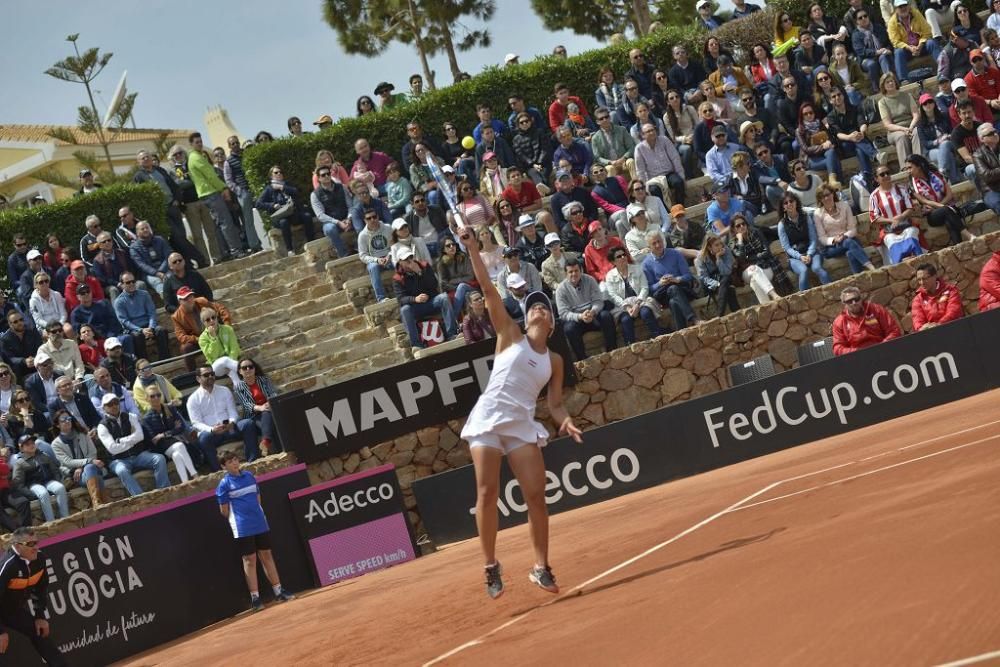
{"x": 468, "y": 143}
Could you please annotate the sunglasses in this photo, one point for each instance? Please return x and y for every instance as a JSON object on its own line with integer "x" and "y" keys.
{"x": 65, "y": 419}
{"x": 882, "y": 174}
{"x": 526, "y": 121}
{"x": 128, "y": 282}
{"x": 16, "y": 320}
{"x": 211, "y": 318}
{"x": 247, "y": 367}
{"x": 42, "y": 281}
{"x": 33, "y": 544}
{"x": 145, "y": 369}
{"x": 176, "y": 261}
{"x": 638, "y": 188}
{"x": 852, "y": 300}
{"x": 154, "y": 395}
{"x": 418, "y": 200}
{"x": 788, "y": 85}
{"x": 861, "y": 16}
{"x": 603, "y": 117}
{"x": 20, "y": 245}
{"x": 631, "y": 88}
{"x": 324, "y": 174}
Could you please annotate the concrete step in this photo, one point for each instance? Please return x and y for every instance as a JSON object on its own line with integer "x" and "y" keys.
{"x": 225, "y": 268}
{"x": 341, "y": 270}
{"x": 271, "y": 327}
{"x": 286, "y": 266}
{"x": 267, "y": 287}
{"x": 281, "y": 354}
{"x": 333, "y": 360}
{"x": 288, "y": 300}
{"x": 261, "y": 342}
{"x": 347, "y": 371}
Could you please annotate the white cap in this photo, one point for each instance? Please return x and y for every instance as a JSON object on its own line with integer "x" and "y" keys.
{"x": 515, "y": 280}
{"x": 633, "y": 210}
{"x": 447, "y": 169}
{"x": 958, "y": 83}
{"x": 525, "y": 221}
{"x": 510, "y": 57}
{"x": 900, "y": 3}
{"x": 399, "y": 223}
{"x": 404, "y": 253}
{"x": 41, "y": 357}
{"x": 552, "y": 237}
{"x": 34, "y": 254}
{"x": 111, "y": 343}
{"x": 702, "y": 3}
{"x": 109, "y": 397}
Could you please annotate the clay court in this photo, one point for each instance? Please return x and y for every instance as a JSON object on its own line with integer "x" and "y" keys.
{"x": 876, "y": 547}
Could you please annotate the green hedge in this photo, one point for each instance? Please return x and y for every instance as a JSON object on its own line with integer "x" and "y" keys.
{"x": 457, "y": 103}
{"x": 66, "y": 218}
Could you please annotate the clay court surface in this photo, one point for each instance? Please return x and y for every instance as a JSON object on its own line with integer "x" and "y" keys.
{"x": 879, "y": 547}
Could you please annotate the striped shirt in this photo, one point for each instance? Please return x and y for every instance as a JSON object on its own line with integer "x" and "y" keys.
{"x": 883, "y": 204}
{"x": 246, "y": 516}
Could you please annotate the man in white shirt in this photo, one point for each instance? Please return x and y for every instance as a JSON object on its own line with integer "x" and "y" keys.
{"x": 121, "y": 434}
{"x": 213, "y": 414}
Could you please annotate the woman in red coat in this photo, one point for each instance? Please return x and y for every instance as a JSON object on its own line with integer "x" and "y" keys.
{"x": 989, "y": 284}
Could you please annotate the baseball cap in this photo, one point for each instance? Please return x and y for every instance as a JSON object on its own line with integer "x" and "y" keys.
{"x": 718, "y": 130}
{"x": 41, "y": 357}
{"x": 109, "y": 398}
{"x": 525, "y": 221}
{"x": 111, "y": 343}
{"x": 185, "y": 292}
{"x": 489, "y": 155}
{"x": 76, "y": 264}
{"x": 720, "y": 186}
{"x": 511, "y": 251}
{"x": 676, "y": 210}
{"x": 926, "y": 97}
{"x": 974, "y": 53}
{"x": 515, "y": 280}
{"x": 34, "y": 254}
{"x": 900, "y": 3}
{"x": 594, "y": 226}
{"x": 633, "y": 210}
{"x": 985, "y": 129}
{"x": 399, "y": 223}
{"x": 510, "y": 58}
{"x": 562, "y": 173}
{"x": 958, "y": 83}
{"x": 322, "y": 120}
{"x": 537, "y": 297}
{"x": 552, "y": 237}
{"x": 27, "y": 437}
{"x": 404, "y": 253}
{"x": 447, "y": 169}
{"x": 702, "y": 3}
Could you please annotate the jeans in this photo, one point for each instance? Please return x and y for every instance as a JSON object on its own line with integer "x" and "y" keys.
{"x": 245, "y": 200}
{"x": 876, "y": 68}
{"x": 628, "y": 324}
{"x": 411, "y": 312}
{"x": 686, "y": 151}
{"x": 992, "y": 199}
{"x": 602, "y": 322}
{"x": 244, "y": 428}
{"x": 155, "y": 283}
{"x": 42, "y": 492}
{"x": 678, "y": 299}
{"x": 286, "y": 229}
{"x": 774, "y": 195}
{"x": 856, "y": 255}
{"x": 946, "y": 158}
{"x": 461, "y": 292}
{"x": 802, "y": 271}
{"x": 865, "y": 151}
{"x": 903, "y": 57}
{"x": 139, "y": 343}
{"x": 332, "y": 231}
{"x": 179, "y": 240}
{"x": 830, "y": 162}
{"x": 90, "y": 471}
{"x": 223, "y": 220}
{"x": 375, "y": 273}
{"x": 124, "y": 467}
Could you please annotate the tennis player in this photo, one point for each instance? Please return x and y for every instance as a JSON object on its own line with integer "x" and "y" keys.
{"x": 503, "y": 421}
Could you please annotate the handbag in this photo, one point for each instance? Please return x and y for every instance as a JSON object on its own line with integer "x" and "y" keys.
{"x": 818, "y": 138}
{"x": 283, "y": 211}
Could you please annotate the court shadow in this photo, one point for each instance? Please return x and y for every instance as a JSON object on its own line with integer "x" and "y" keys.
{"x": 722, "y": 548}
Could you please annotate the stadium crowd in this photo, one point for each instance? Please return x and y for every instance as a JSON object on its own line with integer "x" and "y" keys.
{"x": 583, "y": 199}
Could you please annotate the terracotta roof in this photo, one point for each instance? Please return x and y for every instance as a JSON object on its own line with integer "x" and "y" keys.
{"x": 39, "y": 134}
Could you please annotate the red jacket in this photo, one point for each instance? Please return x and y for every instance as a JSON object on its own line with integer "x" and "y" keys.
{"x": 557, "y": 112}
{"x": 72, "y": 300}
{"x": 989, "y": 284}
{"x": 984, "y": 114}
{"x": 985, "y": 85}
{"x": 876, "y": 325}
{"x": 943, "y": 306}
{"x": 596, "y": 260}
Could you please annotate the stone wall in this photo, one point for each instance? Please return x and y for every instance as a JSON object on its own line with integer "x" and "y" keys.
{"x": 686, "y": 364}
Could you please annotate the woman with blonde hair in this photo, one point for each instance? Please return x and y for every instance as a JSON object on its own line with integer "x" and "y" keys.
{"x": 714, "y": 266}
{"x": 325, "y": 158}
{"x": 900, "y": 115}
{"x": 165, "y": 427}
{"x": 837, "y": 230}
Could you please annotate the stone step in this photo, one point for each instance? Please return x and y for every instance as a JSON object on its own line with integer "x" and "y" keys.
{"x": 280, "y": 354}
{"x": 346, "y": 268}
{"x": 348, "y": 371}
{"x": 293, "y": 300}
{"x": 285, "y": 266}
{"x": 272, "y": 327}
{"x": 332, "y": 361}
{"x": 259, "y": 341}
{"x": 266, "y": 287}
{"x": 225, "y": 268}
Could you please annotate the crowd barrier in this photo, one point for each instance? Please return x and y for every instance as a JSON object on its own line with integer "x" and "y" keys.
{"x": 798, "y": 406}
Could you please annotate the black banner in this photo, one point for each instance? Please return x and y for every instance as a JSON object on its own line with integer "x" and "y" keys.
{"x": 802, "y": 405}
{"x": 126, "y": 585}
{"x": 355, "y": 524}
{"x": 380, "y": 406}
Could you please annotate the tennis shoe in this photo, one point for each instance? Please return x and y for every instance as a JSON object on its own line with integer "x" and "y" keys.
{"x": 494, "y": 584}
{"x": 255, "y": 603}
{"x": 284, "y": 596}
{"x": 544, "y": 579}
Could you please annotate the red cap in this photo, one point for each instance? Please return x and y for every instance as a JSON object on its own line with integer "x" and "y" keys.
{"x": 593, "y": 227}
{"x": 975, "y": 52}
{"x": 185, "y": 292}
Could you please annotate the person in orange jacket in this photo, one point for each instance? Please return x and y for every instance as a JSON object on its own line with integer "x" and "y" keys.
{"x": 989, "y": 284}
{"x": 862, "y": 324}
{"x": 936, "y": 301}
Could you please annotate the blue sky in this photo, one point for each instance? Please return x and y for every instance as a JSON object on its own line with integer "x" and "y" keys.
{"x": 185, "y": 56}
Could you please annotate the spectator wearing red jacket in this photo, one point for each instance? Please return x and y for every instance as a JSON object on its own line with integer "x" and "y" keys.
{"x": 595, "y": 255}
{"x": 936, "y": 302}
{"x": 862, "y": 324}
{"x": 989, "y": 284}
{"x": 78, "y": 275}
{"x": 558, "y": 109}
{"x": 983, "y": 80}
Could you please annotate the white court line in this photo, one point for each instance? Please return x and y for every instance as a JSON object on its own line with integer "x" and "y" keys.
{"x": 866, "y": 474}
{"x": 983, "y": 657}
{"x": 578, "y": 587}
{"x": 732, "y": 508}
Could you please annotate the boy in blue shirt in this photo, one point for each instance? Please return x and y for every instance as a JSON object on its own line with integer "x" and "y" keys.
{"x": 239, "y": 502}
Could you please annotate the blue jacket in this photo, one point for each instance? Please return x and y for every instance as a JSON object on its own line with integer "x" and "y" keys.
{"x": 671, "y": 263}
{"x": 578, "y": 154}
{"x": 90, "y": 417}
{"x": 136, "y": 311}
{"x": 100, "y": 316}
{"x": 36, "y": 389}
{"x": 151, "y": 258}
{"x": 861, "y": 52}
{"x": 109, "y": 272}
{"x": 560, "y": 199}
{"x": 17, "y": 264}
